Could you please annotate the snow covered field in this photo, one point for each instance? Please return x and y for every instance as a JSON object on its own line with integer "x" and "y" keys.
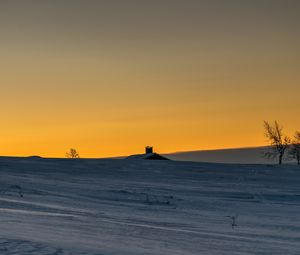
{"x": 110, "y": 206}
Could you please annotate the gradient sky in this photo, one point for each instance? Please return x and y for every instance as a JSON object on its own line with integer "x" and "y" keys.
{"x": 109, "y": 77}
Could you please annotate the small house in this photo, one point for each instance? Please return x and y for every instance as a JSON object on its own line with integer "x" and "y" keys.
{"x": 149, "y": 155}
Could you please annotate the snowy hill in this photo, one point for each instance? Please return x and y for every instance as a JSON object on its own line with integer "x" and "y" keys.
{"x": 238, "y": 156}
{"x": 147, "y": 156}
{"x": 130, "y": 207}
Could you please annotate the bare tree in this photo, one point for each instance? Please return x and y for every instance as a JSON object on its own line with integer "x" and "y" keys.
{"x": 72, "y": 153}
{"x": 278, "y": 141}
{"x": 294, "y": 151}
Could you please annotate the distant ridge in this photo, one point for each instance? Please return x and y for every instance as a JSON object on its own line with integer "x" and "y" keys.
{"x": 249, "y": 155}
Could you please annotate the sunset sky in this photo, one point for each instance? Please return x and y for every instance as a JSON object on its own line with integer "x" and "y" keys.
{"x": 110, "y": 77}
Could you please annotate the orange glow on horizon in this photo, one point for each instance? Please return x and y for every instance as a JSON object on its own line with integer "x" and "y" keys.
{"x": 110, "y": 79}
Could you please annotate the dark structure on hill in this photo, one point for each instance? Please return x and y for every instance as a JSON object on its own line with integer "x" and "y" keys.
{"x": 149, "y": 155}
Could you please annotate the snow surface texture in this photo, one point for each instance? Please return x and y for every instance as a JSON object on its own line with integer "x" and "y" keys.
{"x": 128, "y": 207}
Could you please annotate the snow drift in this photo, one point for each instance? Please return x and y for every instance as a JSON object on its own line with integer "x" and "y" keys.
{"x": 109, "y": 206}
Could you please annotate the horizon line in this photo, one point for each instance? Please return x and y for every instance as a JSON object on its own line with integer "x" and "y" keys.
{"x": 122, "y": 156}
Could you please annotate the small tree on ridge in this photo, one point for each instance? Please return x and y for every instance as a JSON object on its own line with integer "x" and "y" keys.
{"x": 72, "y": 153}
{"x": 279, "y": 142}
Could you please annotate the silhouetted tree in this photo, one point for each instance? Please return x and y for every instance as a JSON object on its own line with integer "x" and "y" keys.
{"x": 278, "y": 141}
{"x": 294, "y": 151}
{"x": 72, "y": 153}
